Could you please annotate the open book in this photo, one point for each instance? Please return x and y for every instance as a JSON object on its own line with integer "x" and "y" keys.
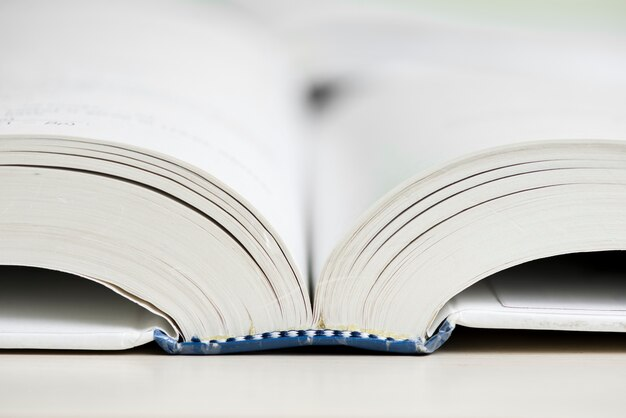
{"x": 162, "y": 180}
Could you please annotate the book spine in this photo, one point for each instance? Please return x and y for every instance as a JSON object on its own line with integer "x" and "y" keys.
{"x": 300, "y": 338}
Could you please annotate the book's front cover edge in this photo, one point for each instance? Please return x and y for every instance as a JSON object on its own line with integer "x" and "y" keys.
{"x": 289, "y": 339}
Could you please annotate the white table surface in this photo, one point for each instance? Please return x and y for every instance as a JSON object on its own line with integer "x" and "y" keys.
{"x": 478, "y": 373}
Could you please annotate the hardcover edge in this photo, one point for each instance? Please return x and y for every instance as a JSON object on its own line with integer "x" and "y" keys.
{"x": 288, "y": 339}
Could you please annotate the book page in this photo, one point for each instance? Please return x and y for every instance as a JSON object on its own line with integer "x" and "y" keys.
{"x": 41, "y": 308}
{"x": 450, "y": 89}
{"x": 189, "y": 80}
{"x": 583, "y": 291}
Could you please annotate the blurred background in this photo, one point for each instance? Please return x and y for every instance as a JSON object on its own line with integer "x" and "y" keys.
{"x": 399, "y": 87}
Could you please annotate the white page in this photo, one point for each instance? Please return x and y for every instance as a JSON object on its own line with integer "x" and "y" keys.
{"x": 186, "y": 79}
{"x": 454, "y": 89}
{"x": 42, "y": 308}
{"x": 583, "y": 291}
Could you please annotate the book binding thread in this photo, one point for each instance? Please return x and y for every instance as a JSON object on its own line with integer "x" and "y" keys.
{"x": 301, "y": 338}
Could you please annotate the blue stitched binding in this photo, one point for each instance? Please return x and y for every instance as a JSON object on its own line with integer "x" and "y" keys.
{"x": 297, "y": 338}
